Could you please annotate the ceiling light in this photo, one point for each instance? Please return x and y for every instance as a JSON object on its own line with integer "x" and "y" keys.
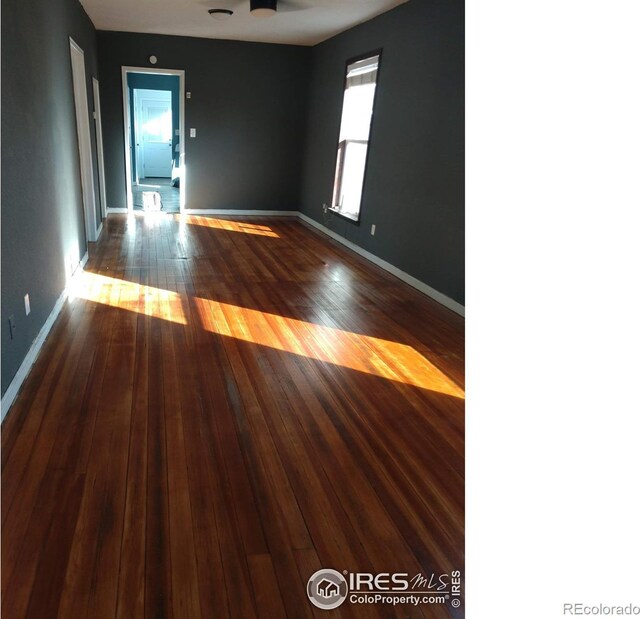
{"x": 264, "y": 8}
{"x": 220, "y": 14}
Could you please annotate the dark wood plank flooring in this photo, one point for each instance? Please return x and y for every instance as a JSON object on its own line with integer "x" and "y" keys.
{"x": 223, "y": 407}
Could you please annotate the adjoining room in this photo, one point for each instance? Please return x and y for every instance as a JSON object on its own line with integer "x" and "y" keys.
{"x": 154, "y": 140}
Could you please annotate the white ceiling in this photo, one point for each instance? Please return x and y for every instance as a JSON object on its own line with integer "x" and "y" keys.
{"x": 299, "y": 22}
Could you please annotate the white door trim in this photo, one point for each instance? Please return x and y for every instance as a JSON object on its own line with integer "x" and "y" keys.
{"x": 81, "y": 103}
{"x": 138, "y": 152}
{"x": 97, "y": 116}
{"x": 127, "y": 130}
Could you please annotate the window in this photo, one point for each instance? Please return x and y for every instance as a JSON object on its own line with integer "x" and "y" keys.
{"x": 355, "y": 126}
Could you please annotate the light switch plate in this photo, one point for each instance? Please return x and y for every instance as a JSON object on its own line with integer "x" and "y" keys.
{"x": 192, "y": 132}
{"x": 27, "y": 304}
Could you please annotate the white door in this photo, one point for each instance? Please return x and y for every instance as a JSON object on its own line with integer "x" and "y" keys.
{"x": 154, "y": 130}
{"x": 84, "y": 139}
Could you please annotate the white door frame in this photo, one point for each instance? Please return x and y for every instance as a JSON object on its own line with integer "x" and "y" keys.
{"x": 81, "y": 103}
{"x": 135, "y": 128}
{"x": 97, "y": 116}
{"x": 127, "y": 130}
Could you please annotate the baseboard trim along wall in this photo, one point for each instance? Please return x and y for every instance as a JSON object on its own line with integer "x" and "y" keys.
{"x": 443, "y": 299}
{"x": 84, "y": 260}
{"x": 25, "y": 367}
{"x": 239, "y": 212}
{"x": 36, "y": 347}
{"x": 219, "y": 211}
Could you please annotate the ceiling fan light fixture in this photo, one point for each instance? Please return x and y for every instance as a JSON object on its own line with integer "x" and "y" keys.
{"x": 220, "y": 14}
{"x": 263, "y": 8}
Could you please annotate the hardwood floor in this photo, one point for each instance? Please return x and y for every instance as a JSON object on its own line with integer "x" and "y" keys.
{"x": 223, "y": 408}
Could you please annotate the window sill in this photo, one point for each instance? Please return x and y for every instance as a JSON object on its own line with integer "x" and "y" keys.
{"x": 348, "y": 216}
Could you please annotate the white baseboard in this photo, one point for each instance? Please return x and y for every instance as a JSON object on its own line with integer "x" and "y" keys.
{"x": 239, "y": 212}
{"x": 23, "y": 371}
{"x": 441, "y": 298}
{"x": 99, "y": 232}
{"x": 25, "y": 367}
{"x": 454, "y": 306}
{"x": 221, "y": 211}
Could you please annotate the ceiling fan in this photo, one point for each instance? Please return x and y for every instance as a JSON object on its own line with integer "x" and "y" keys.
{"x": 264, "y": 8}
{"x": 268, "y": 8}
{"x": 259, "y": 8}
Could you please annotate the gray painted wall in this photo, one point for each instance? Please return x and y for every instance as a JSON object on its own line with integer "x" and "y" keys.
{"x": 248, "y": 105}
{"x": 267, "y": 118}
{"x": 42, "y": 215}
{"x": 414, "y": 186}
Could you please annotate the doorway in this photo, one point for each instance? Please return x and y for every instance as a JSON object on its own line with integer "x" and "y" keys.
{"x": 84, "y": 140}
{"x": 153, "y": 133}
{"x": 97, "y": 117}
{"x": 154, "y": 145}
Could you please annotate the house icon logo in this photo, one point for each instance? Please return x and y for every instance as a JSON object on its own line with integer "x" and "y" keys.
{"x": 327, "y": 589}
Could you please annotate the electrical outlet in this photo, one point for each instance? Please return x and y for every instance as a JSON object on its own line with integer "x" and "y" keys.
{"x": 188, "y": 95}
{"x": 325, "y": 208}
{"x": 12, "y": 326}
{"x": 192, "y": 133}
{"x": 373, "y": 229}
{"x": 27, "y": 304}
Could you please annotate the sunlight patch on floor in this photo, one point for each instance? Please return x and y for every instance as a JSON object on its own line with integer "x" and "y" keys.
{"x": 363, "y": 353}
{"x": 227, "y": 224}
{"x": 123, "y": 294}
